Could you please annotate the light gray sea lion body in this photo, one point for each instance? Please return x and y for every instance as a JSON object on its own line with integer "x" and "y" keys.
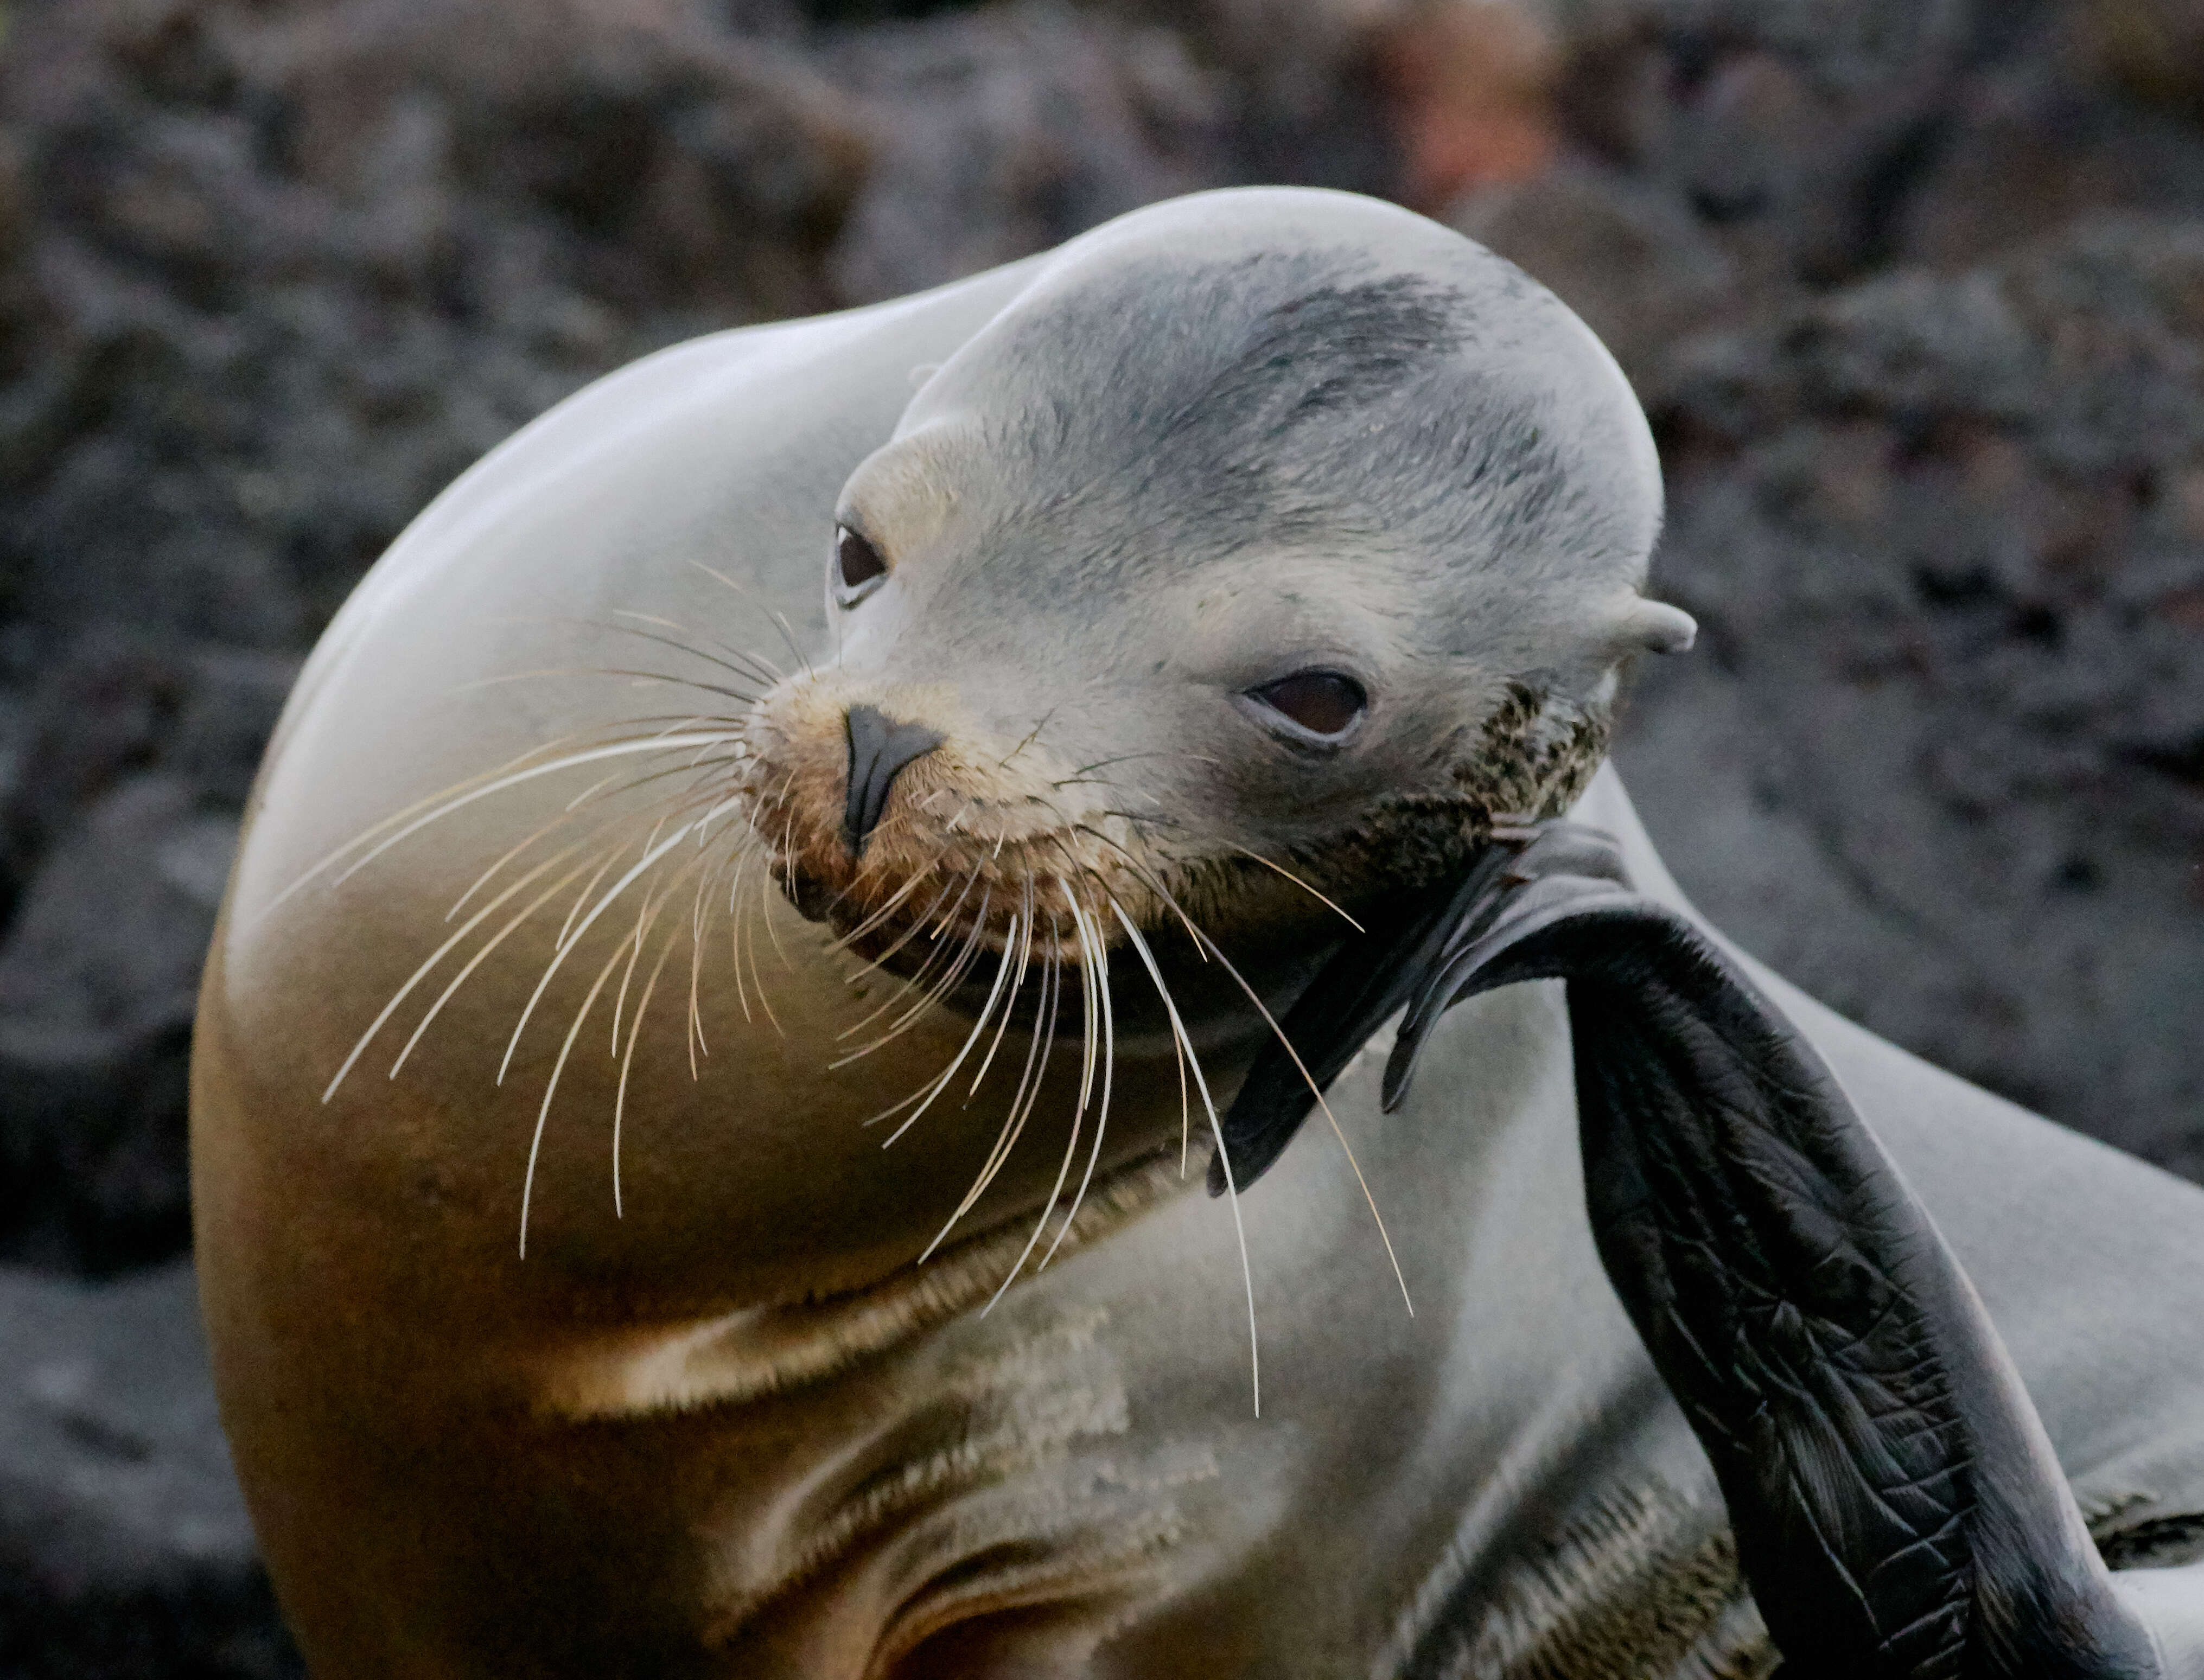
{"x": 734, "y": 1429}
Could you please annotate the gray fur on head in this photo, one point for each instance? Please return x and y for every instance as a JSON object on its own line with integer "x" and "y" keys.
{"x": 1190, "y": 410}
{"x": 1378, "y": 385}
{"x": 1256, "y": 432}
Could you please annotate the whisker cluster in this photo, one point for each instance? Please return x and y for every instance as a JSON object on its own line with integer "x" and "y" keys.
{"x": 675, "y": 811}
{"x": 664, "y": 782}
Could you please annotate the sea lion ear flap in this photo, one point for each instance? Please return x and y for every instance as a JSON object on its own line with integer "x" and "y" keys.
{"x": 1898, "y": 1509}
{"x": 1655, "y": 627}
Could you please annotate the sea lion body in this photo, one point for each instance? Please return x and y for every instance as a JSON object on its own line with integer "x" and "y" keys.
{"x": 729, "y": 1426}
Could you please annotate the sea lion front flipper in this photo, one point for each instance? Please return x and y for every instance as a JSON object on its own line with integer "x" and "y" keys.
{"x": 1898, "y": 1508}
{"x": 1399, "y": 946}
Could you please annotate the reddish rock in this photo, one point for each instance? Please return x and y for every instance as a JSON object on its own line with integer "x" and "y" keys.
{"x": 1469, "y": 84}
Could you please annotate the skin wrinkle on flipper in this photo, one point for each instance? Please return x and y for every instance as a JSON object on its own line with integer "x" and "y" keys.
{"x": 661, "y": 1442}
{"x": 1839, "y": 1245}
{"x": 1971, "y": 1548}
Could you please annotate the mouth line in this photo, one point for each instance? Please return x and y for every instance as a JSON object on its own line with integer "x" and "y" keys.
{"x": 947, "y": 907}
{"x": 905, "y": 949}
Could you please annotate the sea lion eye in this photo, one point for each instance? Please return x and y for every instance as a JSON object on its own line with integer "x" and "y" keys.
{"x": 1323, "y": 703}
{"x": 857, "y": 566}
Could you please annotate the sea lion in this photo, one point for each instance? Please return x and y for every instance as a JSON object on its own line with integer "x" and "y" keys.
{"x": 1217, "y": 609}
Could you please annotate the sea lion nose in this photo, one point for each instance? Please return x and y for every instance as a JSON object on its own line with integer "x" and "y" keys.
{"x": 880, "y": 747}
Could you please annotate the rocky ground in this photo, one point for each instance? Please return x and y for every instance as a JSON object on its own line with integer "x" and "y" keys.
{"x": 1914, "y": 292}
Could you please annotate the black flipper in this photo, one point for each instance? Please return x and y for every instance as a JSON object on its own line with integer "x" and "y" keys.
{"x": 1354, "y": 995}
{"x": 1403, "y": 942}
{"x": 1899, "y": 1511}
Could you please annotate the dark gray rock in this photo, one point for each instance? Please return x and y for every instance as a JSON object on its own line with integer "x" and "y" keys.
{"x": 98, "y": 976}
{"x": 98, "y": 713}
{"x": 119, "y": 811}
{"x": 2029, "y": 148}
{"x": 1005, "y": 131}
{"x": 1626, "y": 254}
{"x": 231, "y": 698}
{"x": 125, "y": 1550}
{"x": 1940, "y": 757}
{"x": 2154, "y": 49}
{"x": 1808, "y": 143}
{"x": 1793, "y": 129}
{"x": 1931, "y": 421}
{"x": 279, "y": 272}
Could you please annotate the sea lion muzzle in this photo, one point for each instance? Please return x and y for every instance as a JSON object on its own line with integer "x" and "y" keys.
{"x": 880, "y": 749}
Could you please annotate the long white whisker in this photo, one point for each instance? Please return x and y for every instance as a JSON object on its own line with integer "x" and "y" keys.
{"x": 884, "y": 913}
{"x": 612, "y": 855}
{"x": 551, "y": 1088}
{"x": 916, "y": 979}
{"x": 1017, "y": 980}
{"x": 572, "y": 762}
{"x": 520, "y": 920}
{"x": 757, "y": 980}
{"x": 1216, "y": 1131}
{"x": 646, "y": 918}
{"x": 788, "y": 635}
{"x": 919, "y": 979}
{"x": 966, "y": 954}
{"x": 1071, "y": 1148}
{"x": 979, "y": 1026}
{"x": 558, "y": 957}
{"x": 949, "y": 915}
{"x": 696, "y": 1028}
{"x": 484, "y": 878}
{"x": 700, "y": 919}
{"x": 1282, "y": 870}
{"x": 335, "y": 856}
{"x": 627, "y": 1061}
{"x": 702, "y": 774}
{"x": 748, "y": 595}
{"x": 693, "y": 652}
{"x": 1088, "y": 1011}
{"x": 1146, "y": 878}
{"x": 735, "y": 928}
{"x": 771, "y": 932}
{"x": 1021, "y": 1100}
{"x": 748, "y": 666}
{"x": 1090, "y": 935}
{"x": 439, "y": 954}
{"x": 591, "y": 792}
{"x": 474, "y": 685}
{"x": 657, "y": 895}
{"x": 1336, "y": 1131}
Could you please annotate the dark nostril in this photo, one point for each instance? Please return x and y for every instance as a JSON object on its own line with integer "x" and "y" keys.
{"x": 880, "y": 747}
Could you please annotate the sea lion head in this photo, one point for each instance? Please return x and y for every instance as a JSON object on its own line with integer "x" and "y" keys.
{"x": 1218, "y": 558}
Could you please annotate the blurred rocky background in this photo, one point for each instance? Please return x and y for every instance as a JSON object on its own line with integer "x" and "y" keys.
{"x": 1913, "y": 289}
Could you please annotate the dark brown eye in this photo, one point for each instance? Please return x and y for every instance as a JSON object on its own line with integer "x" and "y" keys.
{"x": 857, "y": 565}
{"x": 1323, "y": 703}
